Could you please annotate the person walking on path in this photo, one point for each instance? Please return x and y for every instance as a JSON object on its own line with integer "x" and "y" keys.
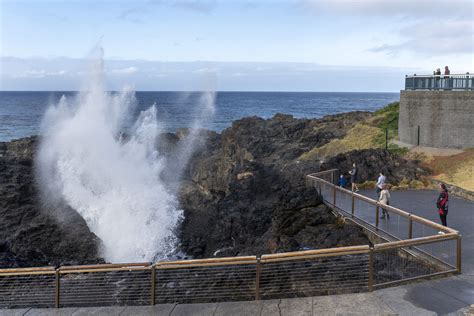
{"x": 380, "y": 182}
{"x": 384, "y": 198}
{"x": 442, "y": 203}
{"x": 354, "y": 179}
{"x": 342, "y": 181}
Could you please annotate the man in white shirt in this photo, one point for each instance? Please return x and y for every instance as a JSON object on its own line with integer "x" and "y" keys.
{"x": 380, "y": 183}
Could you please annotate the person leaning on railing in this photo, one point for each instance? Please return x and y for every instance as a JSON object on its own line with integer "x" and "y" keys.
{"x": 447, "y": 72}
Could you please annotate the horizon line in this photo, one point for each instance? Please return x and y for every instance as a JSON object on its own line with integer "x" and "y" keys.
{"x": 257, "y": 91}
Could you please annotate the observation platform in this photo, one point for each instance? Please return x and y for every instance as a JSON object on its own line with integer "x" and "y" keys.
{"x": 452, "y": 295}
{"x": 437, "y": 111}
{"x": 455, "y": 82}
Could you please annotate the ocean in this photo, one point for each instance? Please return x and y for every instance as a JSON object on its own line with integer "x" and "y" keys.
{"x": 21, "y": 112}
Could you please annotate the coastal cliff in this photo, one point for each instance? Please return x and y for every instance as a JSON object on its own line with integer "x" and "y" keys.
{"x": 243, "y": 192}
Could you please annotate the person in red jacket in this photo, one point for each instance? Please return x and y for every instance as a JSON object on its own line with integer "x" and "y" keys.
{"x": 442, "y": 203}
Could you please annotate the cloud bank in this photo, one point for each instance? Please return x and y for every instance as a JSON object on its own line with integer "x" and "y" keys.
{"x": 65, "y": 74}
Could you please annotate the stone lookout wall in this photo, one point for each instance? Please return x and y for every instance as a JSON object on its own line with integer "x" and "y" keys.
{"x": 445, "y": 118}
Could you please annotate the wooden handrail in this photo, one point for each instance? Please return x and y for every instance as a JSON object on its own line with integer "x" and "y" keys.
{"x": 105, "y": 266}
{"x": 130, "y": 268}
{"x": 425, "y": 221}
{"x": 33, "y": 269}
{"x": 229, "y": 260}
{"x": 338, "y": 250}
{"x": 388, "y": 207}
{"x": 210, "y": 264}
{"x": 414, "y": 241}
{"x": 287, "y": 256}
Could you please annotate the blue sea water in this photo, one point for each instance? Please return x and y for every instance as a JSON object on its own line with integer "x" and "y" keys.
{"x": 21, "y": 112}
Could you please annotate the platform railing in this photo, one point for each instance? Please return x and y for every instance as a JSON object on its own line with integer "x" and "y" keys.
{"x": 440, "y": 82}
{"x": 413, "y": 252}
{"x": 408, "y": 234}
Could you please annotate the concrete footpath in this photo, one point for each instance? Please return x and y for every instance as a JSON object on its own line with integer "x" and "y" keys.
{"x": 447, "y": 296}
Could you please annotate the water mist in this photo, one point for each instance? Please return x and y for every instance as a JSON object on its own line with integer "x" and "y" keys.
{"x": 113, "y": 181}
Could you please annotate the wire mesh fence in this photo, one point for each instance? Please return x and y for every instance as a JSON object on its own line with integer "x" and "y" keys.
{"x": 411, "y": 249}
{"x": 104, "y": 288}
{"x": 20, "y": 290}
{"x": 210, "y": 283}
{"x": 338, "y": 274}
{"x": 442, "y": 253}
{"x": 397, "y": 264}
{"x": 428, "y": 257}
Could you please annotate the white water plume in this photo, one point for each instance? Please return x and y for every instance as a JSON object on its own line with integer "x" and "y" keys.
{"x": 112, "y": 181}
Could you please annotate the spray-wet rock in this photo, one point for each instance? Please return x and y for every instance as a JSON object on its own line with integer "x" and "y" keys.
{"x": 31, "y": 233}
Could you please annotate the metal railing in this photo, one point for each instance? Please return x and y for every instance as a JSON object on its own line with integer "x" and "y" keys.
{"x": 440, "y": 82}
{"x": 411, "y": 246}
{"x": 403, "y": 254}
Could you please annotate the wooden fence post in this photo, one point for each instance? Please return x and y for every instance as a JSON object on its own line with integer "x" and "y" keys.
{"x": 459, "y": 253}
{"x": 153, "y": 284}
{"x": 57, "y": 282}
{"x": 257, "y": 280}
{"x": 371, "y": 269}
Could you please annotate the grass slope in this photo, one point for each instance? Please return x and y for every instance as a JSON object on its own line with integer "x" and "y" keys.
{"x": 457, "y": 169}
{"x": 367, "y": 134}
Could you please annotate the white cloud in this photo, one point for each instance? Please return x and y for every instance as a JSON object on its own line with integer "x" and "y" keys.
{"x": 39, "y": 73}
{"x": 137, "y": 13}
{"x": 448, "y": 37}
{"x": 205, "y": 70}
{"x": 158, "y": 75}
{"x": 46, "y": 74}
{"x": 238, "y": 74}
{"x": 402, "y": 8}
{"x": 124, "y": 71}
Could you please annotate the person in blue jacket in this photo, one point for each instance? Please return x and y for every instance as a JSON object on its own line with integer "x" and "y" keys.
{"x": 342, "y": 181}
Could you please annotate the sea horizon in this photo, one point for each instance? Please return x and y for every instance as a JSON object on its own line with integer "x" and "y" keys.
{"x": 21, "y": 112}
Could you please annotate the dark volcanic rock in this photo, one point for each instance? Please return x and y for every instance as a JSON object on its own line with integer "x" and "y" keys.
{"x": 372, "y": 161}
{"x": 29, "y": 234}
{"x": 243, "y": 192}
{"x": 247, "y": 194}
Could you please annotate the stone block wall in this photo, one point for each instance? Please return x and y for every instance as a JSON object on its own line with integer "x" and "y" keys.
{"x": 445, "y": 118}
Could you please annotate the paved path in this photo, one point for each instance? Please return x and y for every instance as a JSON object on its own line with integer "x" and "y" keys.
{"x": 448, "y": 296}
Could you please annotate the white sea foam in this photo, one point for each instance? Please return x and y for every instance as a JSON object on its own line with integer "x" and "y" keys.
{"x": 113, "y": 181}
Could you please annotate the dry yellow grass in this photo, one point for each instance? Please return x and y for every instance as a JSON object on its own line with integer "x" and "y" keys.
{"x": 361, "y": 136}
{"x": 457, "y": 169}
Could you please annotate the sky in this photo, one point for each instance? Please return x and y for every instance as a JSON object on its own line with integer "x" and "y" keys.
{"x": 298, "y": 45}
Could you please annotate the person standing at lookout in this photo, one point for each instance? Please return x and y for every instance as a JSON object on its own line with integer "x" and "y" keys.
{"x": 447, "y": 72}
{"x": 442, "y": 203}
{"x": 447, "y": 81}
{"x": 354, "y": 179}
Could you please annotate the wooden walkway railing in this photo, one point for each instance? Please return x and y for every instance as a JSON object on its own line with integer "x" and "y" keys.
{"x": 302, "y": 273}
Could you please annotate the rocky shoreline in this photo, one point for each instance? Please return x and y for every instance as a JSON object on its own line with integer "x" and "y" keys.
{"x": 243, "y": 192}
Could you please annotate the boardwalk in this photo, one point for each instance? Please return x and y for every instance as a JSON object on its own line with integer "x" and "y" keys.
{"x": 451, "y": 295}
